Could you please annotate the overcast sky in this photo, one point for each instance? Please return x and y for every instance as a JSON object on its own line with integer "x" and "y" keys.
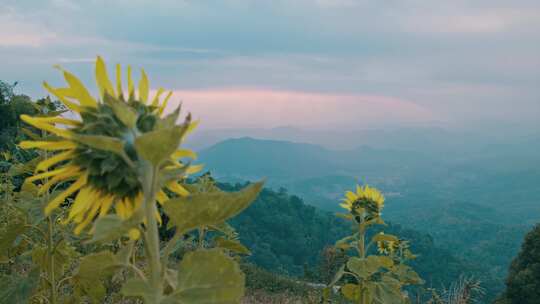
{"x": 325, "y": 63}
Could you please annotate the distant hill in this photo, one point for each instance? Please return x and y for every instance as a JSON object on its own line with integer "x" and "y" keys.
{"x": 488, "y": 193}
{"x": 285, "y": 235}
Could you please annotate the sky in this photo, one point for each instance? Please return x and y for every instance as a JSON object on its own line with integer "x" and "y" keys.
{"x": 304, "y": 63}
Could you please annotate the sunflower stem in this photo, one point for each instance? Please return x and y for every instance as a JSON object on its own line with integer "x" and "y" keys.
{"x": 151, "y": 234}
{"x": 51, "y": 249}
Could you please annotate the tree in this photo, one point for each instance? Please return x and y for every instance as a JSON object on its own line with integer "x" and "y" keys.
{"x": 523, "y": 281}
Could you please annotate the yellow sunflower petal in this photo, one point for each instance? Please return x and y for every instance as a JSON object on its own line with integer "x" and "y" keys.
{"x": 194, "y": 169}
{"x": 70, "y": 174}
{"x": 192, "y": 127}
{"x": 351, "y": 196}
{"x": 128, "y": 207}
{"x": 102, "y": 78}
{"x": 131, "y": 87}
{"x": 120, "y": 209}
{"x": 119, "y": 92}
{"x": 48, "y": 174}
{"x": 79, "y": 90}
{"x": 82, "y": 202}
{"x": 184, "y": 153}
{"x": 143, "y": 87}
{"x": 106, "y": 205}
{"x": 89, "y": 217}
{"x": 41, "y": 124}
{"x": 49, "y": 162}
{"x": 59, "y": 199}
{"x": 58, "y": 120}
{"x": 155, "y": 101}
{"x": 345, "y": 206}
{"x": 162, "y": 197}
{"x": 48, "y": 145}
{"x": 165, "y": 102}
{"x": 176, "y": 188}
{"x": 61, "y": 94}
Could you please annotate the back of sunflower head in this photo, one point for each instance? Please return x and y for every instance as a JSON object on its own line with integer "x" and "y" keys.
{"x": 121, "y": 158}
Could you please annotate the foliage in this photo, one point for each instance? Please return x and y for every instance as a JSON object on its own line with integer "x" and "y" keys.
{"x": 523, "y": 282}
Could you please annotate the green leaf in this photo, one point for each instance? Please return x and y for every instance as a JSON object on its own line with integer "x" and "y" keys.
{"x": 167, "y": 175}
{"x": 204, "y": 209}
{"x": 351, "y": 292}
{"x": 232, "y": 245}
{"x": 63, "y": 255}
{"x": 135, "y": 287}
{"x": 380, "y": 237}
{"x": 104, "y": 143}
{"x": 368, "y": 266}
{"x": 208, "y": 277}
{"x": 10, "y": 234}
{"x": 386, "y": 291}
{"x": 93, "y": 269}
{"x": 406, "y": 274}
{"x": 157, "y": 146}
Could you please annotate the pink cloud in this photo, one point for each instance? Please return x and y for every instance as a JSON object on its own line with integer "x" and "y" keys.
{"x": 264, "y": 108}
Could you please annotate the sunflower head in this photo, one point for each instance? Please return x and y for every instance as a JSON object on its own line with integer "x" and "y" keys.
{"x": 98, "y": 150}
{"x": 387, "y": 247}
{"x": 366, "y": 202}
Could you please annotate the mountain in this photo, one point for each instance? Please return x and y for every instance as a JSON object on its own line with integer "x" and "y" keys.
{"x": 477, "y": 202}
{"x": 287, "y": 236}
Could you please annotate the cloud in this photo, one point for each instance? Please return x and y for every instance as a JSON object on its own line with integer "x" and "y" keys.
{"x": 459, "y": 60}
{"x": 15, "y": 32}
{"x": 246, "y": 108}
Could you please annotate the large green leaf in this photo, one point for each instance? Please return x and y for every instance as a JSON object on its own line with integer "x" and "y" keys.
{"x": 157, "y": 146}
{"x": 204, "y": 209}
{"x": 93, "y": 269}
{"x": 232, "y": 245}
{"x": 368, "y": 266}
{"x": 380, "y": 237}
{"x": 10, "y": 234}
{"x": 136, "y": 287}
{"x": 208, "y": 277}
{"x": 406, "y": 274}
{"x": 63, "y": 256}
{"x": 386, "y": 291}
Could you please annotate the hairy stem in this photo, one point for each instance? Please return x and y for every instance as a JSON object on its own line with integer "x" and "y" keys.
{"x": 151, "y": 233}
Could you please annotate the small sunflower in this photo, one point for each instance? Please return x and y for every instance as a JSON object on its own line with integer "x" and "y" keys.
{"x": 386, "y": 247}
{"x": 365, "y": 200}
{"x": 97, "y": 151}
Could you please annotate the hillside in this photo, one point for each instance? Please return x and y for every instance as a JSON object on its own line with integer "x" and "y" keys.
{"x": 489, "y": 195}
{"x": 285, "y": 235}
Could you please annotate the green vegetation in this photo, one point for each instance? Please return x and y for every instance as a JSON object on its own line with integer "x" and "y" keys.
{"x": 523, "y": 282}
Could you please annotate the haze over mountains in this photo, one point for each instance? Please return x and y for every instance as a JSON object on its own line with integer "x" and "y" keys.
{"x": 476, "y": 195}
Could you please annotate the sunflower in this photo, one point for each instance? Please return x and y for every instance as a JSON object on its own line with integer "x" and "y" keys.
{"x": 365, "y": 200}
{"x": 96, "y": 151}
{"x": 387, "y": 247}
